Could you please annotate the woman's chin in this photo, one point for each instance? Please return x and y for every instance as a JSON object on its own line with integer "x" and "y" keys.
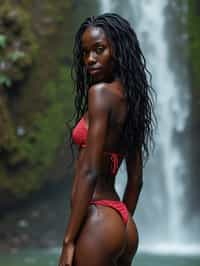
{"x": 97, "y": 79}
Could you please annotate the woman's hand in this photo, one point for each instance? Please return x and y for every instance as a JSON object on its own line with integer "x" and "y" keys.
{"x": 67, "y": 254}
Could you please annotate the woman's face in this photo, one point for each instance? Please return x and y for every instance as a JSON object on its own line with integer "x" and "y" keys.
{"x": 97, "y": 54}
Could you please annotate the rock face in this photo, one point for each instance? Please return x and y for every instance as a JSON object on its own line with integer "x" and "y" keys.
{"x": 35, "y": 91}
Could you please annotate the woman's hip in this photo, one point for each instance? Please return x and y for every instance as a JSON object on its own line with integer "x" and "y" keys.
{"x": 104, "y": 230}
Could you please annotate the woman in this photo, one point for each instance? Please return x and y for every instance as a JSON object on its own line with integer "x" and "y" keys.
{"x": 114, "y": 120}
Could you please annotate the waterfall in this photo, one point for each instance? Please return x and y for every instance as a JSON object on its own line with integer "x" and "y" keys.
{"x": 160, "y": 213}
{"x": 106, "y": 6}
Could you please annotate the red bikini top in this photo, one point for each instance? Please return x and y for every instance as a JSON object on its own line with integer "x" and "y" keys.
{"x": 79, "y": 136}
{"x": 79, "y": 133}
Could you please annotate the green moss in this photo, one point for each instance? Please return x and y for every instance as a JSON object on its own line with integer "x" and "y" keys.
{"x": 44, "y": 102}
{"x": 3, "y": 41}
{"x": 5, "y": 80}
{"x": 194, "y": 38}
{"x": 48, "y": 127}
{"x": 16, "y": 28}
{"x": 7, "y": 134}
{"x": 39, "y": 147}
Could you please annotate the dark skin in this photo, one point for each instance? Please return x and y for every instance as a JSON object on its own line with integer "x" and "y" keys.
{"x": 100, "y": 229}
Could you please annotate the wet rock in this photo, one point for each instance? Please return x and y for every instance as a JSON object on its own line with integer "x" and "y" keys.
{"x": 24, "y": 237}
{"x": 23, "y": 224}
{"x": 20, "y": 131}
{"x": 35, "y": 214}
{"x": 10, "y": 18}
{"x": 15, "y": 240}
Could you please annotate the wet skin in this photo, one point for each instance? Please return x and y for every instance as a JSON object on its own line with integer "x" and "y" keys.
{"x": 91, "y": 227}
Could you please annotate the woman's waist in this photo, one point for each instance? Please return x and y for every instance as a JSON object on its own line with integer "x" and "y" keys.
{"x": 102, "y": 194}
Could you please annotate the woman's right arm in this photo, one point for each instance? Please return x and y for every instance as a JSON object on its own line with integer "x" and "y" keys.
{"x": 135, "y": 180}
{"x": 76, "y": 176}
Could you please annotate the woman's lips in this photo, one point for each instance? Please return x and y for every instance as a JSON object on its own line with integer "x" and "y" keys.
{"x": 93, "y": 71}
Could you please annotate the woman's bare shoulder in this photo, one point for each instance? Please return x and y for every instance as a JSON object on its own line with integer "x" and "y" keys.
{"x": 107, "y": 91}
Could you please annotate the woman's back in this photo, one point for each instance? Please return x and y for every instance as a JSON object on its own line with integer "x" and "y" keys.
{"x": 114, "y": 146}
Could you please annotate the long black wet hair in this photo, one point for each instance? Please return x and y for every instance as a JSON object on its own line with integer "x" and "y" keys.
{"x": 133, "y": 73}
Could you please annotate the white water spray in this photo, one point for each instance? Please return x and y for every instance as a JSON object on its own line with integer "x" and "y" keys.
{"x": 160, "y": 211}
{"x": 107, "y": 6}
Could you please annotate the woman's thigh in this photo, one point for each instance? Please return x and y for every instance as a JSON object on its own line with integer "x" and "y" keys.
{"x": 102, "y": 238}
{"x": 126, "y": 257}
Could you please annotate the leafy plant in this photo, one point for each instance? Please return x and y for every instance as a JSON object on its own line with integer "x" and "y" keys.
{"x": 5, "y": 80}
{"x": 3, "y": 40}
{"x": 15, "y": 55}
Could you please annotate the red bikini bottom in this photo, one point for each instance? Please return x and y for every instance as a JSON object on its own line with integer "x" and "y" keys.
{"x": 119, "y": 206}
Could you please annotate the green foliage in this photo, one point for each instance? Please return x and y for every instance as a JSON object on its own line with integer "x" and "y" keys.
{"x": 194, "y": 38}
{"x": 60, "y": 19}
{"x": 3, "y": 41}
{"x": 44, "y": 102}
{"x": 5, "y": 80}
{"x": 48, "y": 127}
{"x": 15, "y": 55}
{"x": 37, "y": 149}
{"x": 16, "y": 28}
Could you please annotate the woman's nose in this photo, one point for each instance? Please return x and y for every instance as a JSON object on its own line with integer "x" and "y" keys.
{"x": 91, "y": 58}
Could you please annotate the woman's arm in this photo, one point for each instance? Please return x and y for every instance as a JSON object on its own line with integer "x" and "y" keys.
{"x": 89, "y": 169}
{"x": 135, "y": 180}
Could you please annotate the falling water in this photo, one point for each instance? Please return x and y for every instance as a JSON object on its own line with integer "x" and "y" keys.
{"x": 172, "y": 112}
{"x": 107, "y": 6}
{"x": 160, "y": 212}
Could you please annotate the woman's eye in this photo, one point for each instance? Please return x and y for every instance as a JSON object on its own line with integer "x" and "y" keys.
{"x": 99, "y": 49}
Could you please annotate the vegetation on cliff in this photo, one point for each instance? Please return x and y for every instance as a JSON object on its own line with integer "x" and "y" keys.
{"x": 35, "y": 91}
{"x": 194, "y": 39}
{"x": 17, "y": 44}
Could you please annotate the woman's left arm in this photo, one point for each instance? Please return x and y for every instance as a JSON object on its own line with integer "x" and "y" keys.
{"x": 98, "y": 114}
